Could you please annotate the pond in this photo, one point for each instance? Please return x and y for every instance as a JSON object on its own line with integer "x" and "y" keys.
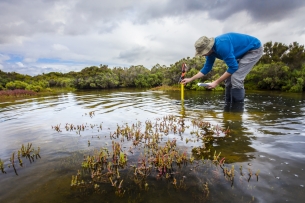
{"x": 257, "y": 156}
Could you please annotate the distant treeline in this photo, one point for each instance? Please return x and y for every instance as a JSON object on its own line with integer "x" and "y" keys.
{"x": 280, "y": 68}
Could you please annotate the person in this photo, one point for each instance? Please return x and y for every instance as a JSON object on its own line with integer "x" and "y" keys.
{"x": 239, "y": 51}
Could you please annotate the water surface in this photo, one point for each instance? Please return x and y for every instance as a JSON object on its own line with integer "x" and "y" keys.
{"x": 267, "y": 134}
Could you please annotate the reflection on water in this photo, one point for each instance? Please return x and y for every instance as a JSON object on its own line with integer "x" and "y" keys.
{"x": 267, "y": 133}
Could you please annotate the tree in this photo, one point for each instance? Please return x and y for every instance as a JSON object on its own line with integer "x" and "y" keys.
{"x": 273, "y": 52}
{"x": 295, "y": 56}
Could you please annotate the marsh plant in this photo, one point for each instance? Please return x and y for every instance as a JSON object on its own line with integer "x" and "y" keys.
{"x": 141, "y": 152}
{"x": 26, "y": 151}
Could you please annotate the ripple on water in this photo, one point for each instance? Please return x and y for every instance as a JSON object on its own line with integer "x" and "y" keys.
{"x": 266, "y": 117}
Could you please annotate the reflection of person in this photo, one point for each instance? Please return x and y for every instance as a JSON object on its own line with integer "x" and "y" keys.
{"x": 239, "y": 51}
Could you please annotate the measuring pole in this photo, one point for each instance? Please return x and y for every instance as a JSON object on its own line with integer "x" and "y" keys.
{"x": 182, "y": 92}
{"x": 181, "y": 78}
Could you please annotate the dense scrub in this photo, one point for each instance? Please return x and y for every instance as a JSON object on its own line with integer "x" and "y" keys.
{"x": 281, "y": 68}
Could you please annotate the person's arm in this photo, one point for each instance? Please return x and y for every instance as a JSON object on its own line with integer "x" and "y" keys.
{"x": 187, "y": 80}
{"x": 206, "y": 68}
{"x": 219, "y": 80}
{"x": 208, "y": 64}
{"x": 226, "y": 51}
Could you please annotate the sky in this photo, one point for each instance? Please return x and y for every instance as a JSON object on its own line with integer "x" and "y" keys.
{"x": 41, "y": 36}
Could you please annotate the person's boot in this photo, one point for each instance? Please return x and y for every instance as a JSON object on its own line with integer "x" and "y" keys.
{"x": 238, "y": 95}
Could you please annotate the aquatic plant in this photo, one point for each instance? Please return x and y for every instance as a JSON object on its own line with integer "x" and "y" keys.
{"x": 25, "y": 152}
{"x": 154, "y": 153}
{"x": 91, "y": 114}
{"x": 2, "y": 166}
{"x": 257, "y": 172}
{"x": 29, "y": 152}
{"x": 56, "y": 128}
{"x": 250, "y": 174}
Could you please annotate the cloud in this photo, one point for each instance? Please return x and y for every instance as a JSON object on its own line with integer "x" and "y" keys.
{"x": 133, "y": 54}
{"x": 60, "y": 47}
{"x": 3, "y": 58}
{"x": 63, "y": 35}
{"x": 260, "y": 10}
{"x": 41, "y": 68}
{"x": 19, "y": 64}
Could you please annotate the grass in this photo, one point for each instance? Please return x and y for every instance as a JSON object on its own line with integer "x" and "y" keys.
{"x": 7, "y": 95}
{"x": 16, "y": 93}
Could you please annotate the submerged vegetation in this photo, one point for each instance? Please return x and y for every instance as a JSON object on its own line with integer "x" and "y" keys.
{"x": 280, "y": 68}
{"x": 26, "y": 151}
{"x": 170, "y": 149}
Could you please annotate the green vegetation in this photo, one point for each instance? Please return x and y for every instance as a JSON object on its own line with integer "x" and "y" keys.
{"x": 281, "y": 68}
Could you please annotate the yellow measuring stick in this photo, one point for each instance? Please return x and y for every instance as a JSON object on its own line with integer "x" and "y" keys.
{"x": 182, "y": 92}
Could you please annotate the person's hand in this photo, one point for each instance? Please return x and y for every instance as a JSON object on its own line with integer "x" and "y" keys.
{"x": 212, "y": 85}
{"x": 186, "y": 80}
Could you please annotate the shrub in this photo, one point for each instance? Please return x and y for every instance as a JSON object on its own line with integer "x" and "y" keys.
{"x": 16, "y": 85}
{"x": 35, "y": 88}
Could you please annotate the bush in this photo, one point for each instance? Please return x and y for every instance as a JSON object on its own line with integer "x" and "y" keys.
{"x": 35, "y": 88}
{"x": 16, "y": 85}
{"x": 49, "y": 89}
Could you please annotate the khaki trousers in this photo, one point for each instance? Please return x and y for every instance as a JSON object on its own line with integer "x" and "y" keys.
{"x": 245, "y": 65}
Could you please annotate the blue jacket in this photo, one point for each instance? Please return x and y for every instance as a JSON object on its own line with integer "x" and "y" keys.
{"x": 229, "y": 47}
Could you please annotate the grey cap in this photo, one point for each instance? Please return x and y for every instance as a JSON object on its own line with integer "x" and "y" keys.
{"x": 203, "y": 45}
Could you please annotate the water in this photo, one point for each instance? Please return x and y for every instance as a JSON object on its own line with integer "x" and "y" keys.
{"x": 268, "y": 135}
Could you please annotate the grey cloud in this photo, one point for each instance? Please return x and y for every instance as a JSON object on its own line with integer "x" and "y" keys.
{"x": 301, "y": 31}
{"x": 32, "y": 27}
{"x": 26, "y": 18}
{"x": 5, "y": 38}
{"x": 108, "y": 27}
{"x": 133, "y": 54}
{"x": 259, "y": 10}
{"x": 263, "y": 11}
{"x": 151, "y": 11}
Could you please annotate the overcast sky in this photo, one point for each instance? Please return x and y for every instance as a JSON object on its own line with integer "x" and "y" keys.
{"x": 39, "y": 36}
